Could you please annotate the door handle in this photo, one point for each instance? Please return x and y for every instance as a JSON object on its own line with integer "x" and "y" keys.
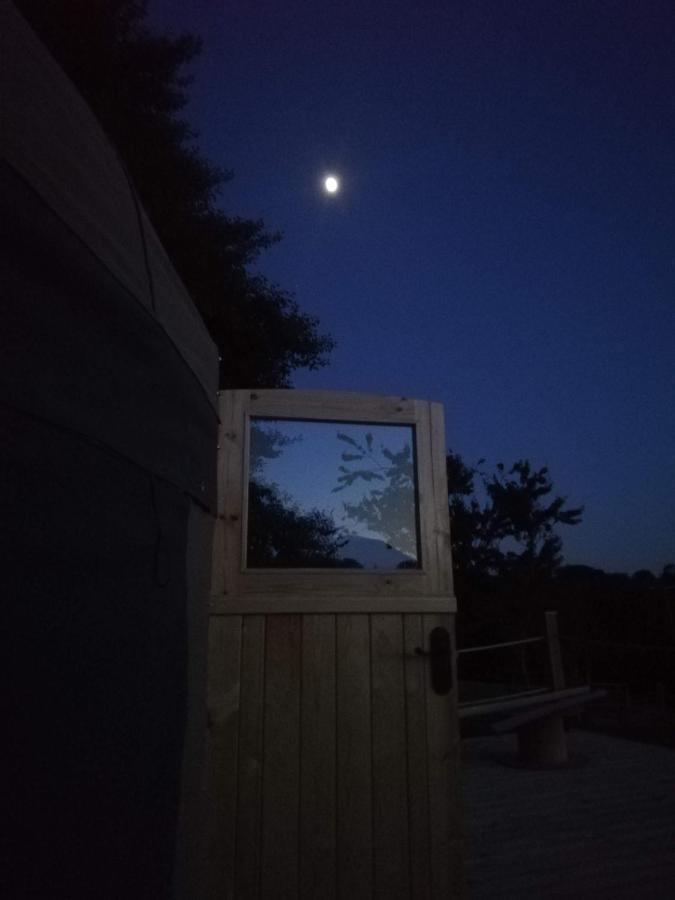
{"x": 440, "y": 657}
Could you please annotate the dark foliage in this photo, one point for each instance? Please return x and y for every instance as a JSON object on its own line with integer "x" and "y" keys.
{"x": 388, "y": 508}
{"x": 135, "y": 82}
{"x": 280, "y": 535}
{"x": 617, "y": 628}
{"x": 505, "y": 546}
{"x": 510, "y": 532}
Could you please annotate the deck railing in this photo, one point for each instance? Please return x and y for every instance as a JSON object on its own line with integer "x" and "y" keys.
{"x": 551, "y": 638}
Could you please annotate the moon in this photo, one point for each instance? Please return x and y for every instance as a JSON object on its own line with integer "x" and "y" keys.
{"x": 331, "y": 184}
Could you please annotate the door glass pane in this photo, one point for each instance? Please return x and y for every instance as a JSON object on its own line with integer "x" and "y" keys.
{"x": 332, "y": 495}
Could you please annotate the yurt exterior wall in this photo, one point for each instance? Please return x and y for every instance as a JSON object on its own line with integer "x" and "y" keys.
{"x": 109, "y": 430}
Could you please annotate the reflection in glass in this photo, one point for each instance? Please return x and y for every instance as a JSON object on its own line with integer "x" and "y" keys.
{"x": 331, "y": 495}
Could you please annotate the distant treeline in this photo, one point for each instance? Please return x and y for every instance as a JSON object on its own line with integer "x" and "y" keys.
{"x": 508, "y": 567}
{"x": 615, "y": 628}
{"x": 619, "y": 628}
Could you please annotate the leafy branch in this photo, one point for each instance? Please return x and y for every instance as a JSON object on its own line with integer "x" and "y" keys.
{"x": 388, "y": 510}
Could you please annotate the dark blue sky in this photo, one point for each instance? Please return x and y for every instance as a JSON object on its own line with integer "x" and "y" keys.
{"x": 505, "y": 238}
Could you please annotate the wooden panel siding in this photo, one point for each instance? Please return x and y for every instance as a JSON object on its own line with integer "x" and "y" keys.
{"x": 390, "y": 794}
{"x": 417, "y": 759}
{"x": 444, "y": 789}
{"x": 318, "y": 798}
{"x": 281, "y": 758}
{"x": 248, "y": 811}
{"x": 224, "y": 648}
{"x": 330, "y": 724}
{"x": 354, "y": 773}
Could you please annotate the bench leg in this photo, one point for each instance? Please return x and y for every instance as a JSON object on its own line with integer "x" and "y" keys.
{"x": 543, "y": 743}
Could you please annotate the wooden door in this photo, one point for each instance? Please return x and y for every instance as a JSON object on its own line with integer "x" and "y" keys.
{"x": 333, "y": 761}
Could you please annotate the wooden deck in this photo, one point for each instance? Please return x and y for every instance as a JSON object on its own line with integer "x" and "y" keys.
{"x": 603, "y": 829}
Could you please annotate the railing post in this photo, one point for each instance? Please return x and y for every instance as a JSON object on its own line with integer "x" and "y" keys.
{"x": 555, "y": 656}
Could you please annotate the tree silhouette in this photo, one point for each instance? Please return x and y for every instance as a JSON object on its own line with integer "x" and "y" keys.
{"x": 390, "y": 509}
{"x": 135, "y": 83}
{"x": 511, "y": 533}
{"x": 265, "y": 442}
{"x": 521, "y": 509}
{"x": 280, "y": 534}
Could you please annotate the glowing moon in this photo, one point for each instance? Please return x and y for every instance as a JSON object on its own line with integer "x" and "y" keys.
{"x": 331, "y": 184}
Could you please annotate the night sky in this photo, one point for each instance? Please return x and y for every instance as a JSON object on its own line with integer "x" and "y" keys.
{"x": 504, "y": 240}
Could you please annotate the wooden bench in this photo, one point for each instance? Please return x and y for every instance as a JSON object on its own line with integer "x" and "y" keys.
{"x": 537, "y": 717}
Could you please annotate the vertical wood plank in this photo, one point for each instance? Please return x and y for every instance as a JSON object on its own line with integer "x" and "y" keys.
{"x": 390, "y": 800}
{"x": 425, "y": 491}
{"x": 231, "y": 466}
{"x": 458, "y": 884}
{"x": 223, "y": 697}
{"x": 418, "y": 788}
{"x": 554, "y": 652}
{"x": 218, "y": 551}
{"x": 224, "y": 427}
{"x": 440, "y": 499}
{"x": 444, "y": 793}
{"x": 354, "y": 787}
{"x": 281, "y": 761}
{"x": 249, "y": 797}
{"x": 217, "y": 585}
{"x": 317, "y": 756}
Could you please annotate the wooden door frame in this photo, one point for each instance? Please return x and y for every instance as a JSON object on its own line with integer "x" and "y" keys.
{"x": 236, "y": 589}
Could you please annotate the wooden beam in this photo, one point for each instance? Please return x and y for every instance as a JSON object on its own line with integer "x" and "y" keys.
{"x": 555, "y": 656}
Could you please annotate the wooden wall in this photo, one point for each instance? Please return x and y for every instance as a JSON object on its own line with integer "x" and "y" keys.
{"x": 333, "y": 766}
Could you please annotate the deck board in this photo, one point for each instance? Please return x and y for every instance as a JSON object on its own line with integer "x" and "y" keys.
{"x": 603, "y": 829}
